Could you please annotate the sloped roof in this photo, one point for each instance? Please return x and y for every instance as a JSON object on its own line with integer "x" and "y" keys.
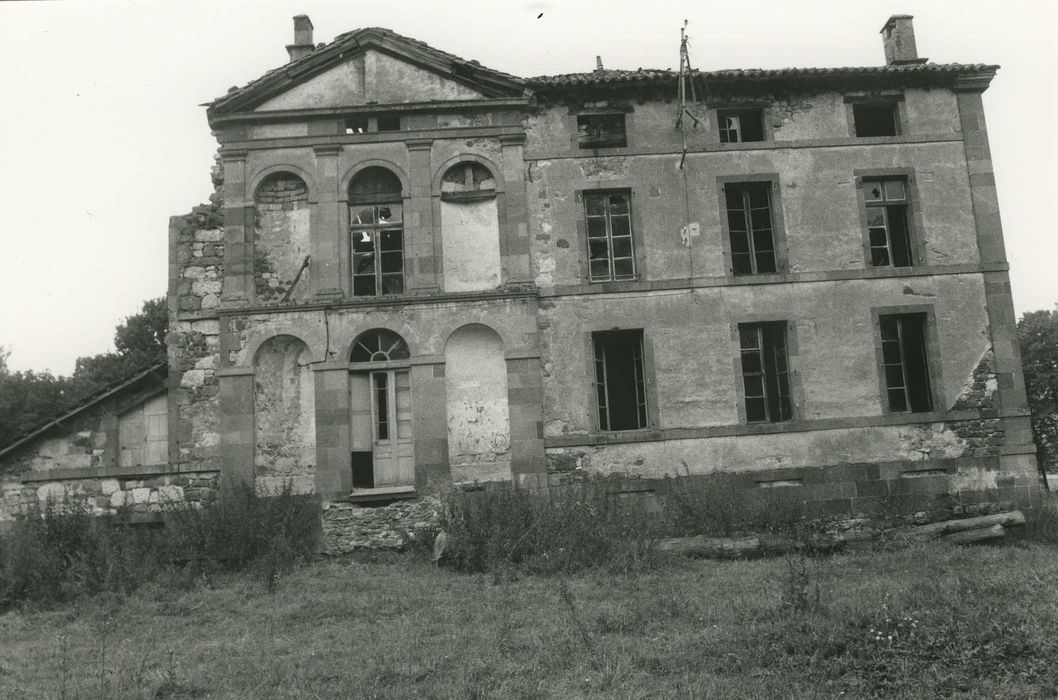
{"x": 651, "y": 75}
{"x": 159, "y": 368}
{"x": 492, "y": 83}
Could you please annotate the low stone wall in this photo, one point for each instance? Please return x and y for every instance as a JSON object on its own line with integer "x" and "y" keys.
{"x": 348, "y": 527}
{"x": 141, "y": 493}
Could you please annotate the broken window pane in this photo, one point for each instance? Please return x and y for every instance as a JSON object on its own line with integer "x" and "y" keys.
{"x": 765, "y": 372}
{"x": 741, "y": 125}
{"x": 610, "y": 245}
{"x": 888, "y": 227}
{"x": 750, "y": 229}
{"x": 601, "y": 130}
{"x": 376, "y": 234}
{"x": 620, "y": 380}
{"x": 904, "y": 362}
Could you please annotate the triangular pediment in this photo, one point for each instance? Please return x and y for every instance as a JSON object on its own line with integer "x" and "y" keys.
{"x": 369, "y": 66}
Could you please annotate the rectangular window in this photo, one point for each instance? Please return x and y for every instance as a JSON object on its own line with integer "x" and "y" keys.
{"x": 904, "y": 362}
{"x": 619, "y": 380}
{"x": 377, "y": 244}
{"x": 609, "y": 227}
{"x": 765, "y": 372}
{"x": 388, "y": 122}
{"x": 740, "y": 125}
{"x": 888, "y": 227}
{"x": 875, "y": 119}
{"x": 750, "y": 226}
{"x": 601, "y": 130}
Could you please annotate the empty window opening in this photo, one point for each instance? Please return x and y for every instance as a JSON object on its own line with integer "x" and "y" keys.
{"x": 389, "y": 122}
{"x": 905, "y": 363}
{"x": 741, "y": 125}
{"x": 376, "y": 232}
{"x": 888, "y": 228}
{"x": 357, "y": 125}
{"x": 468, "y": 181}
{"x": 619, "y": 380}
{"x": 750, "y": 227}
{"x": 363, "y": 124}
{"x": 765, "y": 372}
{"x": 611, "y": 254}
{"x": 875, "y": 119}
{"x": 601, "y": 130}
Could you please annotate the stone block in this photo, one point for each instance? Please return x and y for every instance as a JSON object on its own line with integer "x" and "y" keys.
{"x": 140, "y": 495}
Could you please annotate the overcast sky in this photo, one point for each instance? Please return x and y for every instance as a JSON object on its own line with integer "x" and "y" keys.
{"x": 102, "y": 137}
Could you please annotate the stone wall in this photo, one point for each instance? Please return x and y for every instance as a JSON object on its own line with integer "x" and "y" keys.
{"x": 348, "y": 527}
{"x": 281, "y": 238}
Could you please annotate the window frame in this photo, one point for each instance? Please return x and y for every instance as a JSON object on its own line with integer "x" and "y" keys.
{"x": 647, "y": 406}
{"x": 899, "y": 112}
{"x": 360, "y": 202}
{"x": 598, "y": 143}
{"x": 583, "y": 230}
{"x": 765, "y": 125}
{"x": 792, "y": 373}
{"x": 933, "y": 357}
{"x": 778, "y": 224}
{"x": 914, "y": 214}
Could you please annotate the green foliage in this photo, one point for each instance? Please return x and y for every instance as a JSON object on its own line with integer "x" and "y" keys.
{"x": 578, "y": 526}
{"x": 61, "y": 551}
{"x": 1038, "y": 339}
{"x": 28, "y": 399}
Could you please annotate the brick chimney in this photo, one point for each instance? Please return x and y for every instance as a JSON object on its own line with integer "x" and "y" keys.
{"x": 302, "y": 45}
{"x": 898, "y": 39}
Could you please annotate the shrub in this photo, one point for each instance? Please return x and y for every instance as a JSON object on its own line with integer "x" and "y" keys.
{"x": 711, "y": 505}
{"x": 1041, "y": 521}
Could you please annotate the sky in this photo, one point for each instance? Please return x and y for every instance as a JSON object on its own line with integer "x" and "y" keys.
{"x": 103, "y": 136}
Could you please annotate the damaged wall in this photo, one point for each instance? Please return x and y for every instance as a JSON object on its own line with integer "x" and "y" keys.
{"x": 471, "y": 239}
{"x": 284, "y": 416}
{"x": 281, "y": 239}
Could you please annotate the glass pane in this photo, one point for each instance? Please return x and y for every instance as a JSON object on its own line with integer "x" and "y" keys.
{"x": 392, "y": 262}
{"x": 619, "y": 226}
{"x": 600, "y": 269}
{"x": 897, "y": 400}
{"x": 733, "y": 195}
{"x": 889, "y": 328}
{"x": 758, "y": 196}
{"x": 624, "y": 268}
{"x": 751, "y": 362}
{"x": 598, "y": 249}
{"x": 761, "y": 218}
{"x": 622, "y": 247}
{"x": 879, "y": 257}
{"x": 878, "y": 237}
{"x": 596, "y": 227}
{"x": 363, "y": 242}
{"x": 364, "y": 286}
{"x": 890, "y": 352}
{"x": 747, "y": 337}
{"x": 618, "y": 204}
{"x": 595, "y": 204}
{"x": 364, "y": 263}
{"x": 390, "y": 214}
{"x": 742, "y": 263}
{"x": 755, "y": 411}
{"x": 364, "y": 216}
{"x": 736, "y": 220}
{"x": 766, "y": 261}
{"x": 894, "y": 376}
{"x": 876, "y": 217}
{"x": 894, "y": 189}
{"x": 762, "y": 240}
{"x": 872, "y": 191}
{"x": 739, "y": 242}
{"x": 391, "y": 240}
{"x": 392, "y": 284}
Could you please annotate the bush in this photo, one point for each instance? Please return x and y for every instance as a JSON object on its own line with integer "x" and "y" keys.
{"x": 711, "y": 505}
{"x": 1041, "y": 521}
{"x": 578, "y": 526}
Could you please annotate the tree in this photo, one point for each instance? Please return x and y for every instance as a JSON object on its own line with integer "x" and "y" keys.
{"x": 1038, "y": 338}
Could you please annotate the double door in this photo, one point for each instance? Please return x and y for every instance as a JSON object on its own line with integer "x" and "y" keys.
{"x": 382, "y": 447}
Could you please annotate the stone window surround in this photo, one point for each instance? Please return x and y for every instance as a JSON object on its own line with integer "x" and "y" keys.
{"x": 613, "y": 108}
{"x": 793, "y": 366}
{"x": 933, "y": 357}
{"x": 914, "y": 212}
{"x": 782, "y": 256}
{"x": 897, "y": 98}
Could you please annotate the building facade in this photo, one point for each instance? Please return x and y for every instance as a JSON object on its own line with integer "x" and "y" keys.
{"x": 420, "y": 272}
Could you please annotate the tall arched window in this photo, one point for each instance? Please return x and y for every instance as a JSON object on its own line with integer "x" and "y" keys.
{"x": 380, "y": 410}
{"x": 376, "y": 232}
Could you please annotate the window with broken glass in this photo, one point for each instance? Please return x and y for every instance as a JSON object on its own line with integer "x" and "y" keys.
{"x": 875, "y": 119}
{"x": 611, "y": 254}
{"x": 888, "y": 225}
{"x": 601, "y": 130}
{"x": 376, "y": 233}
{"x": 741, "y": 125}
{"x": 905, "y": 362}
{"x": 765, "y": 372}
{"x": 619, "y": 380}
{"x": 750, "y": 227}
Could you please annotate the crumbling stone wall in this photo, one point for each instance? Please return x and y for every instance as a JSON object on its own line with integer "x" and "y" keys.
{"x": 194, "y": 348}
{"x": 281, "y": 238}
{"x": 348, "y": 527}
{"x": 198, "y": 240}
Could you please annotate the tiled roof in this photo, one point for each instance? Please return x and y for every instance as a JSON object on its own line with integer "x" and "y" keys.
{"x": 648, "y": 75}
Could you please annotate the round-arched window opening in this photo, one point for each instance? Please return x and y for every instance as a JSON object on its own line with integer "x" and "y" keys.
{"x": 468, "y": 182}
{"x": 379, "y": 345}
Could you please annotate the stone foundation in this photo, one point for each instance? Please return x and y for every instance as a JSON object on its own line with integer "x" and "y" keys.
{"x": 348, "y": 527}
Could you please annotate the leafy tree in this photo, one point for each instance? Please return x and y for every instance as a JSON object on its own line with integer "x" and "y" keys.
{"x": 1038, "y": 338}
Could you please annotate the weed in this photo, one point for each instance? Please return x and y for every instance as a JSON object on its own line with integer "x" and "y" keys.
{"x": 800, "y": 591}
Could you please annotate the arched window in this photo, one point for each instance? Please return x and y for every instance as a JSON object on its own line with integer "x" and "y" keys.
{"x": 376, "y": 232}
{"x": 380, "y": 411}
{"x": 467, "y": 182}
{"x": 378, "y": 345}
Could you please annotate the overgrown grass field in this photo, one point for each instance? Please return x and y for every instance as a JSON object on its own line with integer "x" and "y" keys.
{"x": 928, "y": 621}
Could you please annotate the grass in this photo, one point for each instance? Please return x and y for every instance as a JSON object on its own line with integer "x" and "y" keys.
{"x": 929, "y": 621}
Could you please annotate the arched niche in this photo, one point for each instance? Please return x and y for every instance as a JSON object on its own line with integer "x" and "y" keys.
{"x": 470, "y": 230}
{"x": 479, "y": 425}
{"x": 380, "y": 411}
{"x": 376, "y": 232}
{"x": 284, "y": 416}
{"x": 281, "y": 238}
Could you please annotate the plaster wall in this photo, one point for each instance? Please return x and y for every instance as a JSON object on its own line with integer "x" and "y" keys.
{"x": 471, "y": 244}
{"x": 284, "y": 416}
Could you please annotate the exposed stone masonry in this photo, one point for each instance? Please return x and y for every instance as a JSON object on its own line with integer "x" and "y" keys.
{"x": 280, "y": 235}
{"x": 350, "y": 526}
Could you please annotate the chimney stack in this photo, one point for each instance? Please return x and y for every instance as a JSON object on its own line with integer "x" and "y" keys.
{"x": 302, "y": 45}
{"x": 898, "y": 39}
{"x": 598, "y": 63}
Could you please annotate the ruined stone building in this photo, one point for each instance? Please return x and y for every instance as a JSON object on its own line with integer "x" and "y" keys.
{"x": 419, "y": 271}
